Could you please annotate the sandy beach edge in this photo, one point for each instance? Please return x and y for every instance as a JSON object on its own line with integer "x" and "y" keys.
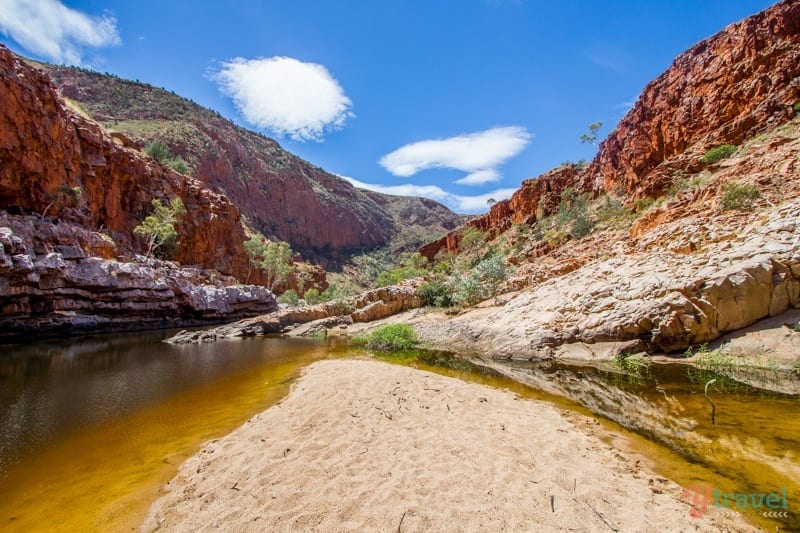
{"x": 362, "y": 445}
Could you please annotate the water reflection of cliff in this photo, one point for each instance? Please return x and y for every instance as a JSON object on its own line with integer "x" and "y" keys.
{"x": 50, "y": 387}
{"x": 754, "y": 442}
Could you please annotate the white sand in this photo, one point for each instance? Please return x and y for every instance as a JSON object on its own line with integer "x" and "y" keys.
{"x": 363, "y": 446}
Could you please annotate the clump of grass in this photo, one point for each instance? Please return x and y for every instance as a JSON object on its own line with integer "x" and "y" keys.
{"x": 738, "y": 196}
{"x": 796, "y": 107}
{"x": 613, "y": 213}
{"x": 643, "y": 204}
{"x": 630, "y": 369}
{"x": 718, "y": 365}
{"x": 631, "y": 364}
{"x": 691, "y": 351}
{"x": 161, "y": 153}
{"x": 717, "y": 154}
{"x": 571, "y": 220}
{"x": 693, "y": 183}
{"x": 733, "y": 370}
{"x": 391, "y": 338}
{"x": 720, "y": 361}
{"x": 289, "y": 298}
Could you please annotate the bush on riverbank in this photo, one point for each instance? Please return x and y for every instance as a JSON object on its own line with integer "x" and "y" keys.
{"x": 392, "y": 338}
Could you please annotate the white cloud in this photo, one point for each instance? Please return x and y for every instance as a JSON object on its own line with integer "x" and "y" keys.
{"x": 458, "y": 203}
{"x": 52, "y": 30}
{"x": 470, "y": 152}
{"x": 479, "y": 203}
{"x": 284, "y": 95}
{"x": 480, "y": 177}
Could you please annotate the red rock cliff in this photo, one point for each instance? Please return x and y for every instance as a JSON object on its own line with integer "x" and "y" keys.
{"x": 44, "y": 146}
{"x": 738, "y": 83}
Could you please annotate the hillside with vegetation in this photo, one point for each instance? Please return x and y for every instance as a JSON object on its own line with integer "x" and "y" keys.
{"x": 281, "y": 196}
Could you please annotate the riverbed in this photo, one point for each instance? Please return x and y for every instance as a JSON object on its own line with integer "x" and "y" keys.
{"x": 91, "y": 428}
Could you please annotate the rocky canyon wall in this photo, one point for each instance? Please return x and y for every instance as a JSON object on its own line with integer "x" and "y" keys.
{"x": 740, "y": 82}
{"x": 45, "y": 147}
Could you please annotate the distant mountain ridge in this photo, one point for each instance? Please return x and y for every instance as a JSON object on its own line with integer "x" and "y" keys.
{"x": 321, "y": 215}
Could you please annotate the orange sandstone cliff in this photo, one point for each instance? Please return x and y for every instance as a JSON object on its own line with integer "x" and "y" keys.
{"x": 740, "y": 82}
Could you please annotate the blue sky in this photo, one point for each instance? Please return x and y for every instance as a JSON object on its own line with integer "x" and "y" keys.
{"x": 458, "y": 100}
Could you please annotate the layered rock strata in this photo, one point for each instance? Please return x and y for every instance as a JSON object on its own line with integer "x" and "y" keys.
{"x": 53, "y": 285}
{"x": 660, "y": 300}
{"x": 366, "y": 307}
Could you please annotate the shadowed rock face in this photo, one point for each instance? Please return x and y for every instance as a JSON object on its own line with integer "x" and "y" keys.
{"x": 321, "y": 215}
{"x": 76, "y": 269}
{"x": 57, "y": 279}
{"x": 740, "y": 82}
{"x": 45, "y": 147}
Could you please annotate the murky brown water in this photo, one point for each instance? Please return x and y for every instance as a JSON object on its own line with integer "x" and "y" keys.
{"x": 91, "y": 428}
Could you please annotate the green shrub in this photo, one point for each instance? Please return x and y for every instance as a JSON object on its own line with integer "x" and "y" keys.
{"x": 158, "y": 151}
{"x": 469, "y": 291}
{"x": 289, "y": 297}
{"x": 394, "y": 337}
{"x": 158, "y": 229}
{"x": 571, "y": 219}
{"x": 581, "y": 226}
{"x": 178, "y": 164}
{"x": 719, "y": 153}
{"x": 312, "y": 296}
{"x": 443, "y": 268}
{"x": 491, "y": 272}
{"x": 412, "y": 266}
{"x": 738, "y": 195}
{"x": 161, "y": 153}
{"x": 613, "y": 213}
{"x": 436, "y": 292}
{"x": 472, "y": 238}
{"x": 797, "y": 107}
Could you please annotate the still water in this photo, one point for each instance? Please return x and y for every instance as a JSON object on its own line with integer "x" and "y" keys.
{"x": 91, "y": 428}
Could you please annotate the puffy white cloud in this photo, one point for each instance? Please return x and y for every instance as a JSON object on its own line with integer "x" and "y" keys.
{"x": 458, "y": 203}
{"x": 52, "y": 30}
{"x": 286, "y": 96}
{"x": 477, "y": 153}
{"x": 480, "y": 177}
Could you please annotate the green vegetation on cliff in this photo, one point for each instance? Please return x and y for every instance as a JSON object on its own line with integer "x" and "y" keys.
{"x": 158, "y": 229}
